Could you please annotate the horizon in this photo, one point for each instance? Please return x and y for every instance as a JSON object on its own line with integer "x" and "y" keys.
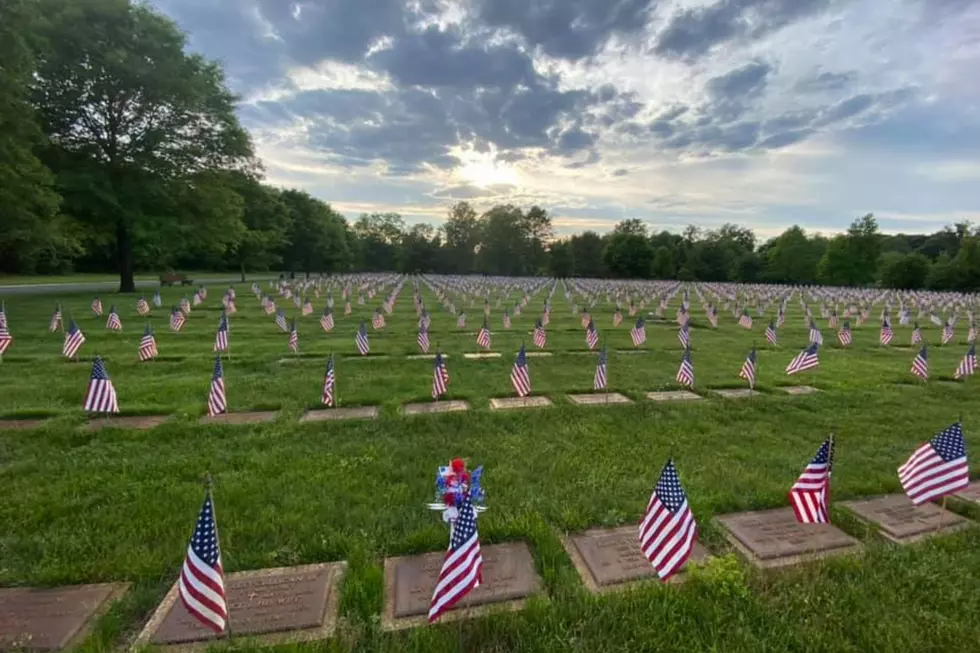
{"x": 764, "y": 113}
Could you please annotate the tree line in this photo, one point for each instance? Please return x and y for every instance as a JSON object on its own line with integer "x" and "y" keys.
{"x": 119, "y": 150}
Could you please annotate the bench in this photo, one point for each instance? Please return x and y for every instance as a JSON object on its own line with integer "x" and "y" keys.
{"x": 173, "y": 278}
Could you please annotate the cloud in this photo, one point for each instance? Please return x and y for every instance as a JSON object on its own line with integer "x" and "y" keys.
{"x": 822, "y": 82}
{"x": 469, "y": 191}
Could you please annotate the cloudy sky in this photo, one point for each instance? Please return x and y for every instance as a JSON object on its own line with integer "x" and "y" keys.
{"x": 761, "y": 112}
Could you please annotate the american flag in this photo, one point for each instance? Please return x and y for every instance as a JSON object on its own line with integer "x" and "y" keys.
{"x": 347, "y": 308}
{"x": 221, "y": 337}
{"x": 668, "y": 529}
{"x": 971, "y": 335}
{"x": 281, "y": 322}
{"x": 185, "y": 306}
{"x": 920, "y": 365}
{"x": 463, "y": 566}
{"x": 361, "y": 340}
{"x": 810, "y": 495}
{"x": 599, "y": 381}
{"x": 713, "y": 316}
{"x": 805, "y": 360}
{"x": 833, "y": 320}
{"x": 937, "y": 468}
{"x": 506, "y": 320}
{"x": 307, "y": 307}
{"x": 440, "y": 376}
{"x": 844, "y": 335}
{"x": 202, "y": 579}
{"x": 916, "y": 334}
{"x": 815, "y": 336}
{"x": 780, "y": 318}
{"x": 148, "y": 345}
{"x": 886, "y": 333}
{"x": 5, "y": 337}
{"x": 540, "y": 335}
{"x": 329, "y": 380}
{"x": 157, "y": 299}
{"x": 748, "y": 369}
{"x": 638, "y": 333}
{"x": 682, "y": 316}
{"x": 142, "y": 307}
{"x": 684, "y": 335}
{"x": 483, "y": 336}
{"x": 746, "y": 320}
{"x": 217, "y": 402}
{"x": 269, "y": 306}
{"x": 55, "y": 323}
{"x": 177, "y": 319}
{"x": 591, "y": 336}
{"x": 947, "y": 332}
{"x": 113, "y": 323}
{"x": 968, "y": 365}
{"x": 423, "y": 340}
{"x": 3, "y": 314}
{"x": 74, "y": 338}
{"x": 586, "y": 319}
{"x": 461, "y": 320}
{"x": 378, "y": 321}
{"x": 100, "y": 397}
{"x": 293, "y": 343}
{"x": 520, "y": 377}
{"x": 97, "y": 307}
{"x": 326, "y": 320}
{"x": 771, "y": 333}
{"x": 197, "y": 299}
{"x": 617, "y": 318}
{"x": 685, "y": 373}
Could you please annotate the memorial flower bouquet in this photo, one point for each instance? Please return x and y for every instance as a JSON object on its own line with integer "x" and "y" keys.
{"x": 453, "y": 482}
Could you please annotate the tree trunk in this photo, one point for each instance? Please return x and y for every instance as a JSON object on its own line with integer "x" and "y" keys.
{"x": 124, "y": 254}
{"x": 243, "y": 271}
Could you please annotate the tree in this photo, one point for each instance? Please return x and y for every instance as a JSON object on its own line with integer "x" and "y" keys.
{"x": 380, "y": 236}
{"x": 419, "y": 251}
{"x": 792, "y": 257}
{"x": 864, "y": 245}
{"x": 587, "y": 254}
{"x": 663, "y": 263}
{"x": 317, "y": 235}
{"x": 904, "y": 271}
{"x": 266, "y": 220}
{"x": 562, "y": 259}
{"x": 628, "y": 253}
{"x": 462, "y": 228}
{"x": 503, "y": 244}
{"x": 34, "y": 237}
{"x": 115, "y": 90}
{"x": 943, "y": 275}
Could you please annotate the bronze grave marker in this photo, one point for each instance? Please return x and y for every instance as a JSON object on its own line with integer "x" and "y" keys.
{"x": 901, "y": 521}
{"x": 971, "y": 493}
{"x": 251, "y": 417}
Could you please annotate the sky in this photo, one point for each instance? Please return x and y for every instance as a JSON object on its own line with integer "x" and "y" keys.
{"x": 764, "y": 113}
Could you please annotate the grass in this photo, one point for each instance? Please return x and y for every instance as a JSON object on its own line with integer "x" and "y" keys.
{"x": 119, "y": 504}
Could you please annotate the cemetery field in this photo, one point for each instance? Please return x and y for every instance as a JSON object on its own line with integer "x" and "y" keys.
{"x": 84, "y": 506}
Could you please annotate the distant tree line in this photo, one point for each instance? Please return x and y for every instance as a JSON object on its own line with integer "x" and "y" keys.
{"x": 121, "y": 151}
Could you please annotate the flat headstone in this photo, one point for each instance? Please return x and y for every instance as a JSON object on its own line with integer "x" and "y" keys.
{"x": 632, "y": 351}
{"x": 247, "y": 417}
{"x": 20, "y": 424}
{"x": 901, "y": 521}
{"x": 538, "y": 354}
{"x": 425, "y": 357}
{"x": 608, "y": 559}
{"x": 971, "y": 493}
{"x": 356, "y": 412}
{"x": 673, "y": 395}
{"x": 599, "y": 399}
{"x": 737, "y": 393}
{"x": 127, "y": 422}
{"x": 272, "y": 606}
{"x": 488, "y": 354}
{"x": 508, "y": 403}
{"x": 52, "y": 619}
{"x": 508, "y": 578}
{"x": 773, "y": 538}
{"x": 798, "y": 389}
{"x": 435, "y": 407}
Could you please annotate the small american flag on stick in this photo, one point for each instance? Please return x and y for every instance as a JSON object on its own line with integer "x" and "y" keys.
{"x": 326, "y": 320}
{"x": 202, "y": 579}
{"x": 217, "y": 403}
{"x": 177, "y": 319}
{"x": 293, "y": 343}
{"x": 748, "y": 369}
{"x": 685, "y": 373}
{"x": 810, "y": 495}
{"x": 920, "y": 364}
{"x": 600, "y": 381}
{"x": 329, "y": 380}
{"x": 483, "y": 335}
{"x": 100, "y": 396}
{"x": 463, "y": 565}
{"x": 113, "y": 323}
{"x": 55, "y": 322}
{"x": 844, "y": 335}
{"x": 361, "y": 340}
{"x": 148, "y": 345}
{"x": 540, "y": 337}
{"x": 968, "y": 365}
{"x": 221, "y": 337}
{"x": 937, "y": 468}
{"x": 142, "y": 307}
{"x": 97, "y": 307}
{"x": 440, "y": 377}
{"x": 591, "y": 335}
{"x": 423, "y": 339}
{"x": 639, "y": 332}
{"x": 771, "y": 333}
{"x": 74, "y": 338}
{"x": 805, "y": 360}
{"x": 520, "y": 376}
{"x": 668, "y": 529}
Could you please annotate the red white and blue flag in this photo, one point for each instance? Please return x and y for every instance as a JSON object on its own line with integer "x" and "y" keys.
{"x": 520, "y": 376}
{"x": 440, "y": 377}
{"x": 329, "y": 380}
{"x": 281, "y": 322}
{"x": 600, "y": 381}
{"x": 916, "y": 334}
{"x": 771, "y": 333}
{"x": 540, "y": 335}
{"x": 483, "y": 336}
{"x": 810, "y": 494}
{"x": 591, "y": 335}
{"x": 920, "y": 364}
{"x": 55, "y": 322}
{"x": 639, "y": 332}
{"x": 886, "y": 333}
{"x": 968, "y": 365}
{"x": 844, "y": 335}
{"x": 113, "y": 323}
{"x": 142, "y": 307}
{"x": 684, "y": 335}
{"x": 361, "y": 340}
{"x": 177, "y": 319}
{"x": 326, "y": 320}
{"x": 423, "y": 339}
{"x": 685, "y": 373}
{"x": 221, "y": 337}
{"x": 148, "y": 345}
{"x": 463, "y": 566}
{"x": 937, "y": 468}
{"x": 97, "y": 307}
{"x": 805, "y": 360}
{"x": 293, "y": 343}
{"x": 668, "y": 529}
{"x": 202, "y": 579}
{"x": 100, "y": 396}
{"x": 217, "y": 402}
{"x": 748, "y": 369}
{"x": 745, "y": 321}
{"x": 74, "y": 338}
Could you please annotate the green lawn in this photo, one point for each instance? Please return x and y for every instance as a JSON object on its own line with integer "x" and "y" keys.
{"x": 82, "y": 506}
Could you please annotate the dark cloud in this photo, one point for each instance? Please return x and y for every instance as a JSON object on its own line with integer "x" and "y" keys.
{"x": 789, "y": 121}
{"x": 745, "y": 82}
{"x": 573, "y": 140}
{"x": 846, "y": 109}
{"x": 620, "y": 172}
{"x": 570, "y": 29}
{"x": 591, "y": 159}
{"x": 692, "y": 33}
{"x": 825, "y": 82}
{"x": 777, "y": 141}
{"x": 704, "y": 141}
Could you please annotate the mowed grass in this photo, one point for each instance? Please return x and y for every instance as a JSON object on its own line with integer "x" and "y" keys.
{"x": 118, "y": 505}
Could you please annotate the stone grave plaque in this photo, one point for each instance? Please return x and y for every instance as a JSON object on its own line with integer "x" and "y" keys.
{"x": 537, "y": 354}
{"x": 425, "y": 357}
{"x": 435, "y": 407}
{"x": 971, "y": 493}
{"x": 737, "y": 393}
{"x": 773, "y": 538}
{"x": 487, "y": 354}
{"x": 127, "y": 422}
{"x": 357, "y": 412}
{"x": 246, "y": 417}
{"x": 274, "y": 606}
{"x": 673, "y": 395}
{"x": 632, "y": 351}
{"x": 599, "y": 399}
{"x": 52, "y": 619}
{"x": 508, "y": 578}
{"x": 608, "y": 559}
{"x": 901, "y": 521}
{"x": 510, "y": 403}
{"x": 20, "y": 424}
{"x": 798, "y": 389}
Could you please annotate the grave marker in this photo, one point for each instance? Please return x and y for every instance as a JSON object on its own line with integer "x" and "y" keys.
{"x": 449, "y": 406}
{"x": 599, "y": 399}
{"x": 127, "y": 422}
{"x": 901, "y": 521}
{"x": 971, "y": 493}
{"x": 509, "y": 403}
{"x": 773, "y": 538}
{"x": 673, "y": 395}
{"x": 798, "y": 389}
{"x": 357, "y": 412}
{"x": 248, "y": 417}
{"x": 737, "y": 393}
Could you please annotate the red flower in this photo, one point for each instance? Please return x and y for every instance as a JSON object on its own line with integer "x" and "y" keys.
{"x": 458, "y": 465}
